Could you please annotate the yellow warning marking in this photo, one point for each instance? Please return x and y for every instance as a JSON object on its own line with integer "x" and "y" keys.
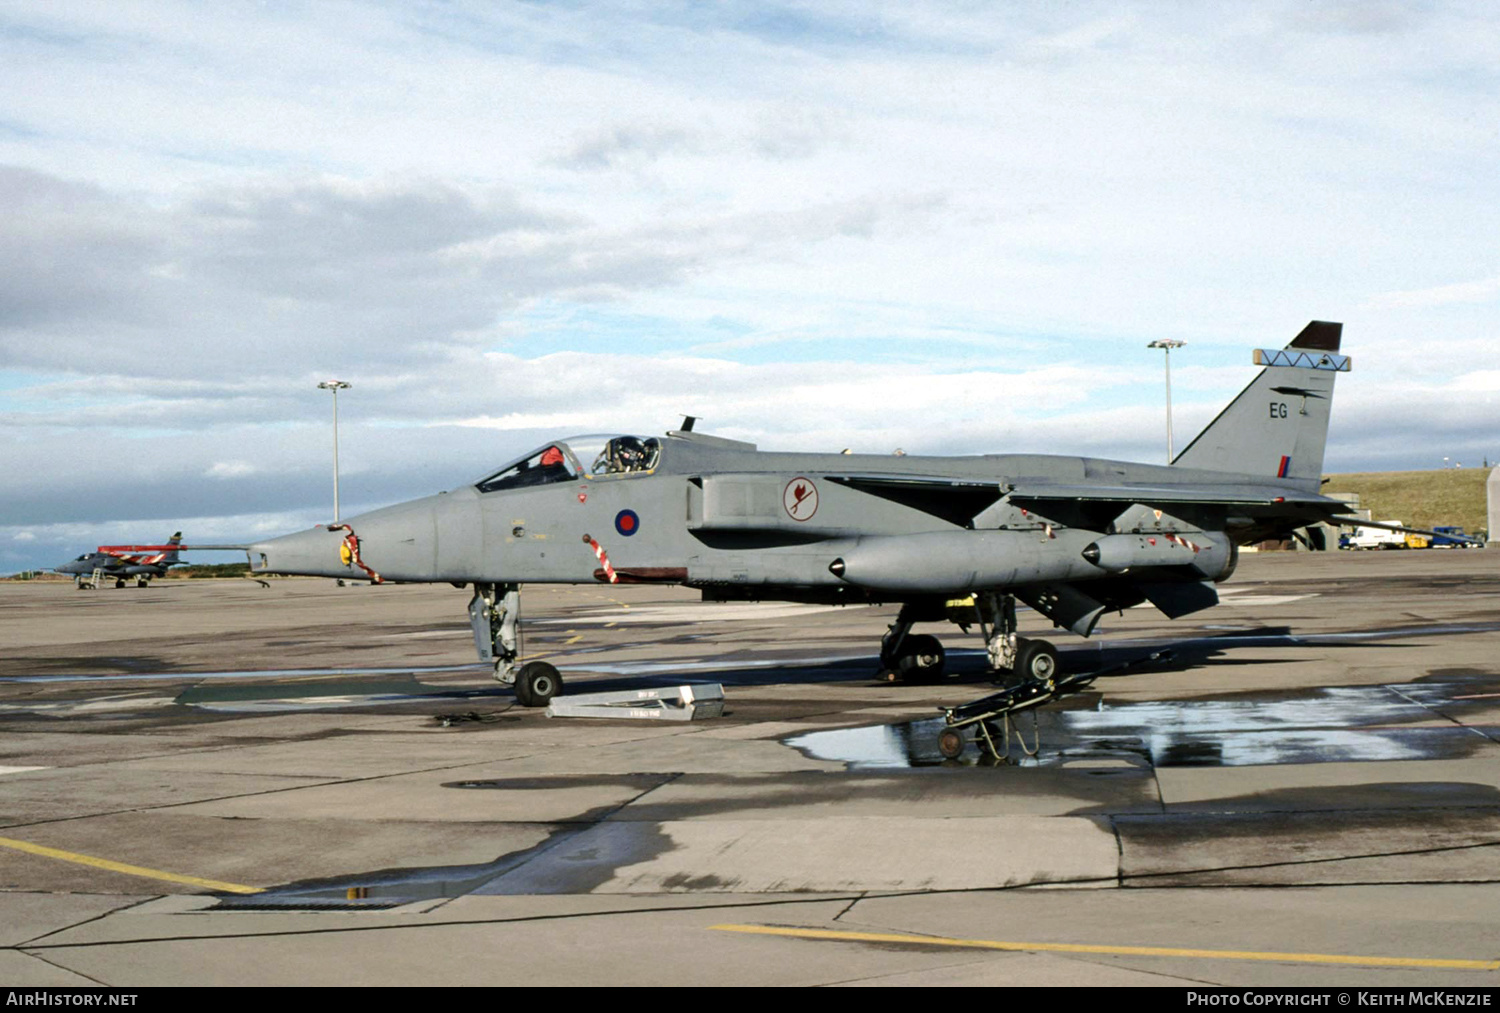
{"x": 1131, "y": 951}
{"x": 129, "y": 870}
{"x": 573, "y": 640}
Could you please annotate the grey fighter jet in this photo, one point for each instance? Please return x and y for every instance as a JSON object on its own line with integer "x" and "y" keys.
{"x": 957, "y": 539}
{"x": 122, "y": 563}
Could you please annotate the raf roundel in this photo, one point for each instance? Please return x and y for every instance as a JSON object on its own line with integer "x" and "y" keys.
{"x": 627, "y": 522}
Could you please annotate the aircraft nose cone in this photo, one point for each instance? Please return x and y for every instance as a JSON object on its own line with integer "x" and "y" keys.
{"x": 314, "y": 553}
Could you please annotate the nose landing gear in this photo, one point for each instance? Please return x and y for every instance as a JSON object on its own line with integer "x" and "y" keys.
{"x": 495, "y": 614}
{"x": 537, "y": 683}
{"x": 918, "y": 657}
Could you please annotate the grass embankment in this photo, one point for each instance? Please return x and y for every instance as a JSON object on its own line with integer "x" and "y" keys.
{"x": 1421, "y": 499}
{"x": 211, "y": 570}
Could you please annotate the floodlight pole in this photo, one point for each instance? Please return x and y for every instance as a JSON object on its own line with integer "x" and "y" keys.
{"x": 1166, "y": 345}
{"x": 335, "y": 386}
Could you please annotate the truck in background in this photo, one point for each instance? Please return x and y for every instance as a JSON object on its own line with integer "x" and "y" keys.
{"x": 1450, "y": 537}
{"x": 1375, "y": 538}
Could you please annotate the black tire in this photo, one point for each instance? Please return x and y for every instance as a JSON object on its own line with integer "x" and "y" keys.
{"x": 950, "y": 743}
{"x": 922, "y": 658}
{"x": 537, "y": 683}
{"x": 1036, "y": 659}
{"x": 119, "y": 583}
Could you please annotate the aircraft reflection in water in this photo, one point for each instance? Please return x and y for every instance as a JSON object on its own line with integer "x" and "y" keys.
{"x": 958, "y": 539}
{"x": 122, "y": 563}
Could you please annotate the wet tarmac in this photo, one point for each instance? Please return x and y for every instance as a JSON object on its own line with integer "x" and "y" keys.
{"x": 1332, "y": 725}
{"x": 305, "y": 784}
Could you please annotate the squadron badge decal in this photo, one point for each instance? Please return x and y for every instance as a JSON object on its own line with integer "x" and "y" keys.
{"x": 800, "y": 498}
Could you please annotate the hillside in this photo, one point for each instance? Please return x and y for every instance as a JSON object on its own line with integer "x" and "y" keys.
{"x": 1421, "y": 499}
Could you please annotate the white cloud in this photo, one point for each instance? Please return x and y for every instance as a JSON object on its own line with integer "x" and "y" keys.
{"x": 1485, "y": 380}
{"x": 939, "y": 227}
{"x": 231, "y": 469}
{"x": 1462, "y": 292}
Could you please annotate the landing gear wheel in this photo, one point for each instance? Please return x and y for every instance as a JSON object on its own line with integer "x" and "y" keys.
{"x": 950, "y": 743}
{"x": 922, "y": 659}
{"x": 537, "y": 683}
{"x": 119, "y": 583}
{"x": 1036, "y": 659}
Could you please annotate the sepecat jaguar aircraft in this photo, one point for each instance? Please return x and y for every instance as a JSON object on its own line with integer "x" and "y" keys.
{"x": 949, "y": 539}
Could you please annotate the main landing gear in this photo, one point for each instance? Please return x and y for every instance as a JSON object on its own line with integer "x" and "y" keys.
{"x": 907, "y": 656}
{"x": 495, "y": 614}
{"x": 917, "y": 657}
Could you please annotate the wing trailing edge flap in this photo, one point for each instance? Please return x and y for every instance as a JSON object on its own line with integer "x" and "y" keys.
{"x": 1177, "y": 599}
{"x": 1067, "y": 607}
{"x": 1076, "y": 611}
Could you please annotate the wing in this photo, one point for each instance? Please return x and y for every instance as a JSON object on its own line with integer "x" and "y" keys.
{"x": 954, "y": 500}
{"x": 1275, "y": 498}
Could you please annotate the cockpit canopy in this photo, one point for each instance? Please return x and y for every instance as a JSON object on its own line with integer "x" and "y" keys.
{"x": 593, "y": 456}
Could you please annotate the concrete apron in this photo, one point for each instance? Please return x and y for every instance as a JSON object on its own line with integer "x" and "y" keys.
{"x": 823, "y": 855}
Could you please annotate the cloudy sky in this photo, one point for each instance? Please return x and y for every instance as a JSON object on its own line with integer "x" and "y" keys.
{"x": 947, "y": 227}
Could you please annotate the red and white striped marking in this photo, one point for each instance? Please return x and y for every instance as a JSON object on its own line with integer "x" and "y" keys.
{"x": 609, "y": 571}
{"x": 351, "y": 542}
{"x": 1183, "y": 542}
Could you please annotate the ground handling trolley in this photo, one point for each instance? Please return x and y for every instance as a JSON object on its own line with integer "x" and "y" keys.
{"x": 990, "y": 715}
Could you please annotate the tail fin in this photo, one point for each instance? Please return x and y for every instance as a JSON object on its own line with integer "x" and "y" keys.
{"x": 1278, "y": 426}
{"x": 174, "y": 541}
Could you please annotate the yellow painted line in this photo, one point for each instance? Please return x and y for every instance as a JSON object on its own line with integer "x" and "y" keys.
{"x": 129, "y": 870}
{"x": 573, "y": 640}
{"x": 1130, "y": 951}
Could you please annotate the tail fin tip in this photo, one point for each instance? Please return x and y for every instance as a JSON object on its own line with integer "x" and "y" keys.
{"x": 1320, "y": 335}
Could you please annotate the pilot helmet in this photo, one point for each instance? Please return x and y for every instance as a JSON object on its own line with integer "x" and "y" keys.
{"x": 630, "y": 453}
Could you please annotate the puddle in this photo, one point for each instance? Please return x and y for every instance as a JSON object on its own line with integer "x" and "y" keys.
{"x": 369, "y": 691}
{"x": 1338, "y": 725}
{"x": 279, "y": 673}
{"x": 574, "y": 859}
{"x": 888, "y": 747}
{"x": 688, "y": 665}
{"x": 381, "y": 889}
